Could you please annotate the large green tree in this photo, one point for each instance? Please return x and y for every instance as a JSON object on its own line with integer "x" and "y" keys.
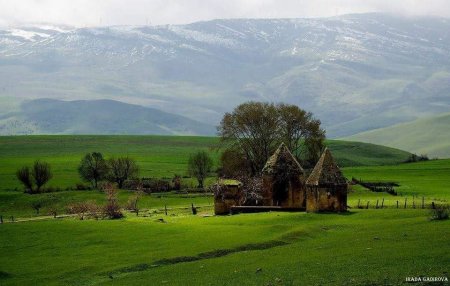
{"x": 93, "y": 168}
{"x": 199, "y": 166}
{"x": 253, "y": 131}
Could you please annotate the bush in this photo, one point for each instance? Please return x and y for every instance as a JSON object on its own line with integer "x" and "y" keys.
{"x": 85, "y": 209}
{"x": 112, "y": 208}
{"x": 440, "y": 212}
{"x": 416, "y": 158}
{"x": 82, "y": 187}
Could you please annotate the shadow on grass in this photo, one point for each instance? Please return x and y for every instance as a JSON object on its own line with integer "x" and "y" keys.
{"x": 204, "y": 255}
{"x": 347, "y": 213}
{"x": 4, "y": 275}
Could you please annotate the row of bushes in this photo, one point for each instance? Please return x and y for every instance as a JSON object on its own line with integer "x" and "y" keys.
{"x": 123, "y": 171}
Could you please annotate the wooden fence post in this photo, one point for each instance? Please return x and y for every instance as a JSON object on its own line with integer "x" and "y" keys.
{"x": 367, "y": 207}
{"x": 423, "y": 202}
{"x": 165, "y": 209}
{"x": 433, "y": 206}
{"x": 376, "y": 205}
{"x": 382, "y": 203}
{"x": 405, "y": 202}
{"x": 359, "y": 200}
{"x": 397, "y": 204}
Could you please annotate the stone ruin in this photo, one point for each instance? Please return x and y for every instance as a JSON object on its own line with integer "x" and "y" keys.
{"x": 286, "y": 186}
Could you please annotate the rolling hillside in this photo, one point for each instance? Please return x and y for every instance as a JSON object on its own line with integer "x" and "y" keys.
{"x": 48, "y": 116}
{"x": 354, "y": 72}
{"x": 157, "y": 156}
{"x": 429, "y": 136}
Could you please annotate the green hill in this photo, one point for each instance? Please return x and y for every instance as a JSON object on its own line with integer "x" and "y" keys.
{"x": 429, "y": 136}
{"x": 157, "y": 156}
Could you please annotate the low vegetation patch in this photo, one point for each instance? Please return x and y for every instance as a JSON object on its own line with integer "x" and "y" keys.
{"x": 440, "y": 212}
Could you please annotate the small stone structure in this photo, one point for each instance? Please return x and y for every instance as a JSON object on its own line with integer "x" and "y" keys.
{"x": 228, "y": 197}
{"x": 285, "y": 187}
{"x": 326, "y": 187}
{"x": 283, "y": 180}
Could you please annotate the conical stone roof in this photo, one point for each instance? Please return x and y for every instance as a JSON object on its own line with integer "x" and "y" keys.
{"x": 283, "y": 161}
{"x": 326, "y": 172}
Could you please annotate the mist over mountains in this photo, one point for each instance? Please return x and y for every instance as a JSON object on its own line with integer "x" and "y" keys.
{"x": 355, "y": 72}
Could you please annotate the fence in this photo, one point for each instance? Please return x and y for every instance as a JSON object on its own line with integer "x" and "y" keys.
{"x": 401, "y": 203}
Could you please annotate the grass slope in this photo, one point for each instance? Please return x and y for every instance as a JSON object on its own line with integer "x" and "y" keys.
{"x": 423, "y": 136}
{"x": 366, "y": 247}
{"x": 157, "y": 156}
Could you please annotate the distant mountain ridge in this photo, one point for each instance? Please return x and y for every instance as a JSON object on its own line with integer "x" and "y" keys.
{"x": 49, "y": 116}
{"x": 355, "y": 72}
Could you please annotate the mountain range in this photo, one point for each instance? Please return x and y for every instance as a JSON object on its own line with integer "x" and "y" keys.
{"x": 50, "y": 116}
{"x": 354, "y": 72}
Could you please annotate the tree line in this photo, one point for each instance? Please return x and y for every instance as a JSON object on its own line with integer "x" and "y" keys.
{"x": 249, "y": 136}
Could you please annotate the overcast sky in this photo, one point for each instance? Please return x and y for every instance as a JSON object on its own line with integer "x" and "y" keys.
{"x": 82, "y": 13}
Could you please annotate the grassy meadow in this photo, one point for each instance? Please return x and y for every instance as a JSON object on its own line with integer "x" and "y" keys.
{"x": 361, "y": 247}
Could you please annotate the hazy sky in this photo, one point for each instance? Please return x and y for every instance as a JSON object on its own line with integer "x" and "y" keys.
{"x": 138, "y": 12}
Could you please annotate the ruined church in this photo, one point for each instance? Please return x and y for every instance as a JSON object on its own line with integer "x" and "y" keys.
{"x": 286, "y": 185}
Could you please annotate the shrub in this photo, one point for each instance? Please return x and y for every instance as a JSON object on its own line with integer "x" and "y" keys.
{"x": 82, "y": 187}
{"x": 85, "y": 209}
{"x": 440, "y": 212}
{"x": 112, "y": 208}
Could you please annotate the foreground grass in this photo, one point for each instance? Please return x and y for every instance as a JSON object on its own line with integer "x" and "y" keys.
{"x": 365, "y": 247}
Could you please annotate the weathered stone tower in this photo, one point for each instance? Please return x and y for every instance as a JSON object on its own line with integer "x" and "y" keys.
{"x": 283, "y": 180}
{"x": 326, "y": 187}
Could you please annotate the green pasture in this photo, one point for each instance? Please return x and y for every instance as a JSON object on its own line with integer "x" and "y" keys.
{"x": 361, "y": 247}
{"x": 157, "y": 156}
{"x": 364, "y": 247}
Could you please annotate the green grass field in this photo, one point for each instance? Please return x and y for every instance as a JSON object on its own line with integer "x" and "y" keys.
{"x": 362, "y": 247}
{"x": 366, "y": 247}
{"x": 157, "y": 156}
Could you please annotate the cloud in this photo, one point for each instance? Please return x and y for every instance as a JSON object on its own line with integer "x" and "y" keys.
{"x": 138, "y": 12}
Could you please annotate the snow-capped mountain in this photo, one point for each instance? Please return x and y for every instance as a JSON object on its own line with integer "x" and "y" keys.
{"x": 355, "y": 72}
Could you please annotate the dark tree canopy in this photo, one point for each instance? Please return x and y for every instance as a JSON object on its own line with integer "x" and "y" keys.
{"x": 122, "y": 169}
{"x": 254, "y": 130}
{"x": 24, "y": 176}
{"x": 41, "y": 173}
{"x": 199, "y": 166}
{"x": 93, "y": 168}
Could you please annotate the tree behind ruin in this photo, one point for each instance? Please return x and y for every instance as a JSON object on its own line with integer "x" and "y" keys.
{"x": 253, "y": 130}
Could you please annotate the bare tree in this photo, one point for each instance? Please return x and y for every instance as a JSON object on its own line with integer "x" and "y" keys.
{"x": 199, "y": 166}
{"x": 24, "y": 176}
{"x": 112, "y": 207}
{"x": 41, "y": 173}
{"x": 122, "y": 169}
